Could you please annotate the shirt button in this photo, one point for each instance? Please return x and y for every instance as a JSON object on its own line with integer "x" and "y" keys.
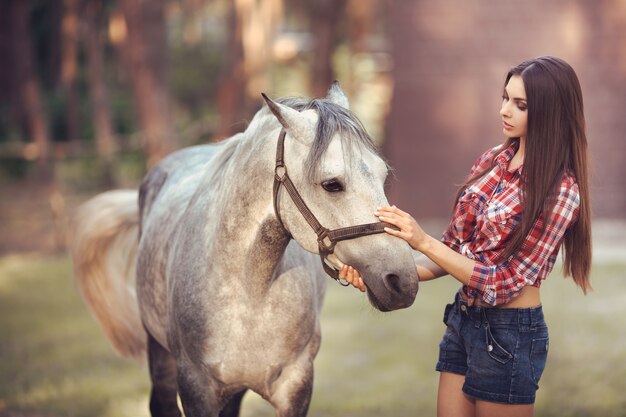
{"x": 463, "y": 308}
{"x": 490, "y": 348}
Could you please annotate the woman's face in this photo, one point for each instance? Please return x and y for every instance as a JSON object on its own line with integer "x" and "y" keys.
{"x": 514, "y": 109}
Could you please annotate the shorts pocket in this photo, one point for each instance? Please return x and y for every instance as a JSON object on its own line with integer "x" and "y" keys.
{"x": 538, "y": 357}
{"x": 495, "y": 349}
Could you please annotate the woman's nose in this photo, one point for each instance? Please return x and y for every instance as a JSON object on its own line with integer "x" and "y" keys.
{"x": 504, "y": 110}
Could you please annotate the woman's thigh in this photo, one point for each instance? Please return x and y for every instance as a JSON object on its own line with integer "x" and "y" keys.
{"x": 451, "y": 401}
{"x": 489, "y": 409}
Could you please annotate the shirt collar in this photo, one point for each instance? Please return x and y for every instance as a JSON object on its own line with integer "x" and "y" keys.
{"x": 504, "y": 157}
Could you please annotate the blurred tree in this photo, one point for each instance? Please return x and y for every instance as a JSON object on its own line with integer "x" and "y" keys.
{"x": 251, "y": 30}
{"x": 361, "y": 16}
{"x": 69, "y": 67}
{"x": 325, "y": 19}
{"x": 8, "y": 87}
{"x": 144, "y": 52}
{"x": 100, "y": 109}
{"x": 231, "y": 94}
{"x": 28, "y": 90}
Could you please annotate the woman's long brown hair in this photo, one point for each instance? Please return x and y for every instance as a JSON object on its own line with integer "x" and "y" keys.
{"x": 556, "y": 144}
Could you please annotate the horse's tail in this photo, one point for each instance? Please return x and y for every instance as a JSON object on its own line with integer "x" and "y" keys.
{"x": 104, "y": 244}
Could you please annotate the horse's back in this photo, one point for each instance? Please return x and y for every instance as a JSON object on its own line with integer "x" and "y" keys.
{"x": 175, "y": 178}
{"x": 164, "y": 196}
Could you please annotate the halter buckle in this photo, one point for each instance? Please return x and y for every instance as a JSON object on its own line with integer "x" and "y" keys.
{"x": 323, "y": 236}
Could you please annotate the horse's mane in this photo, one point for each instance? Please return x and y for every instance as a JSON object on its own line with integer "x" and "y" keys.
{"x": 332, "y": 119}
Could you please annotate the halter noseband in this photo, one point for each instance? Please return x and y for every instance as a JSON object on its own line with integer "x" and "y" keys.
{"x": 326, "y": 239}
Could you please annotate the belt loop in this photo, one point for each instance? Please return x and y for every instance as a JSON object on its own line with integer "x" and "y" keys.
{"x": 482, "y": 319}
{"x": 533, "y": 319}
{"x": 526, "y": 320}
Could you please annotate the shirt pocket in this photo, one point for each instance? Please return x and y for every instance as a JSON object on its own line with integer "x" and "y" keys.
{"x": 500, "y": 220}
{"x": 466, "y": 209}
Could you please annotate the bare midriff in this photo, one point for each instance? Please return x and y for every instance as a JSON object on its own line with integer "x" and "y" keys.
{"x": 529, "y": 297}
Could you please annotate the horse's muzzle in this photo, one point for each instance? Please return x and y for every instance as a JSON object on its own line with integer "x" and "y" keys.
{"x": 392, "y": 292}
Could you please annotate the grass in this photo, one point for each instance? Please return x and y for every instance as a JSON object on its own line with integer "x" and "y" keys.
{"x": 54, "y": 360}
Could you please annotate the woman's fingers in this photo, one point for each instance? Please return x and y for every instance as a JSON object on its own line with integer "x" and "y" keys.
{"x": 403, "y": 223}
{"x": 393, "y": 215}
{"x": 355, "y": 279}
{"x": 393, "y": 210}
{"x": 352, "y": 276}
{"x": 409, "y": 229}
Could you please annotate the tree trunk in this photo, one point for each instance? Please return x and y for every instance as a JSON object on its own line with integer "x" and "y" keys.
{"x": 231, "y": 97}
{"x": 9, "y": 77}
{"x": 245, "y": 75}
{"x": 325, "y": 18}
{"x": 69, "y": 68}
{"x": 362, "y": 16}
{"x": 145, "y": 55}
{"x": 101, "y": 113}
{"x": 29, "y": 88}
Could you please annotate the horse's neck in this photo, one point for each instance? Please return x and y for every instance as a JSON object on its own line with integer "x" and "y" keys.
{"x": 247, "y": 234}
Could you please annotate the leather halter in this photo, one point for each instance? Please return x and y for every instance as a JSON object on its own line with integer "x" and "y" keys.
{"x": 326, "y": 239}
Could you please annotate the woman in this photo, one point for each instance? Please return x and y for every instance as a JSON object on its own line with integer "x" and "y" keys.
{"x": 523, "y": 200}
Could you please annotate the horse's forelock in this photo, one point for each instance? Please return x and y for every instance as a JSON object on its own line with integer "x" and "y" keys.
{"x": 332, "y": 119}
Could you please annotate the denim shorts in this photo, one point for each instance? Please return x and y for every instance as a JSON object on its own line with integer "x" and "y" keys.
{"x": 501, "y": 351}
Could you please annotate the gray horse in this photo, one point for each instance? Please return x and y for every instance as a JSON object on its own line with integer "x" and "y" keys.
{"x": 224, "y": 288}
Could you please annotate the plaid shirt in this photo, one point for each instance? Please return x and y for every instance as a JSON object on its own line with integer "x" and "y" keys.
{"x": 484, "y": 217}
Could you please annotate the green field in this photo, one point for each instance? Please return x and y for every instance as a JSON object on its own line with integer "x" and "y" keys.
{"x": 54, "y": 361}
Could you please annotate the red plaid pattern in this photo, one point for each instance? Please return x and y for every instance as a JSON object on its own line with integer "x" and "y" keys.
{"x": 484, "y": 217}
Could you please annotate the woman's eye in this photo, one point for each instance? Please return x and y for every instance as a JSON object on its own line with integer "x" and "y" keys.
{"x": 522, "y": 108}
{"x": 332, "y": 186}
{"x": 505, "y": 98}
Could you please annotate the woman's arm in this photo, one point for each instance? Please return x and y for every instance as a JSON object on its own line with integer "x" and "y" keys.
{"x": 436, "y": 259}
{"x": 445, "y": 259}
{"x": 426, "y": 269}
{"x": 439, "y": 260}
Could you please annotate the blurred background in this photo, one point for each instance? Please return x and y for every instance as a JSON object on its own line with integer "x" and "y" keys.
{"x": 94, "y": 92}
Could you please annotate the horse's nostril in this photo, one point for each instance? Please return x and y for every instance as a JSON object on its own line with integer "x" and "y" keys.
{"x": 392, "y": 282}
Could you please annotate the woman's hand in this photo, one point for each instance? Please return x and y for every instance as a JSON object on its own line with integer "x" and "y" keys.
{"x": 353, "y": 277}
{"x": 409, "y": 229}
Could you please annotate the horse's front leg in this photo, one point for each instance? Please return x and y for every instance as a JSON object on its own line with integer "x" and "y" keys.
{"x": 292, "y": 391}
{"x": 197, "y": 394}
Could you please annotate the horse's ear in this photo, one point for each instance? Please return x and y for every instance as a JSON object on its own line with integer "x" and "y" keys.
{"x": 337, "y": 96}
{"x": 292, "y": 120}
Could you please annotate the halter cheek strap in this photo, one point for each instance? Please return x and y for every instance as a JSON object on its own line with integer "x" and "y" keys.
{"x": 326, "y": 238}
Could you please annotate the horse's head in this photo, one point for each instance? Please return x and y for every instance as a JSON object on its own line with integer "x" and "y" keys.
{"x": 335, "y": 167}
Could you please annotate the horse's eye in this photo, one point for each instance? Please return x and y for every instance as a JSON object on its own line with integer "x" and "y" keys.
{"x": 332, "y": 186}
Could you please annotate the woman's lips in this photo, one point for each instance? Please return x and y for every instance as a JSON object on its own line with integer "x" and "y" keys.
{"x": 506, "y": 126}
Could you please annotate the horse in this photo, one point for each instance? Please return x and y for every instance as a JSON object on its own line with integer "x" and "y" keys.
{"x": 218, "y": 278}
